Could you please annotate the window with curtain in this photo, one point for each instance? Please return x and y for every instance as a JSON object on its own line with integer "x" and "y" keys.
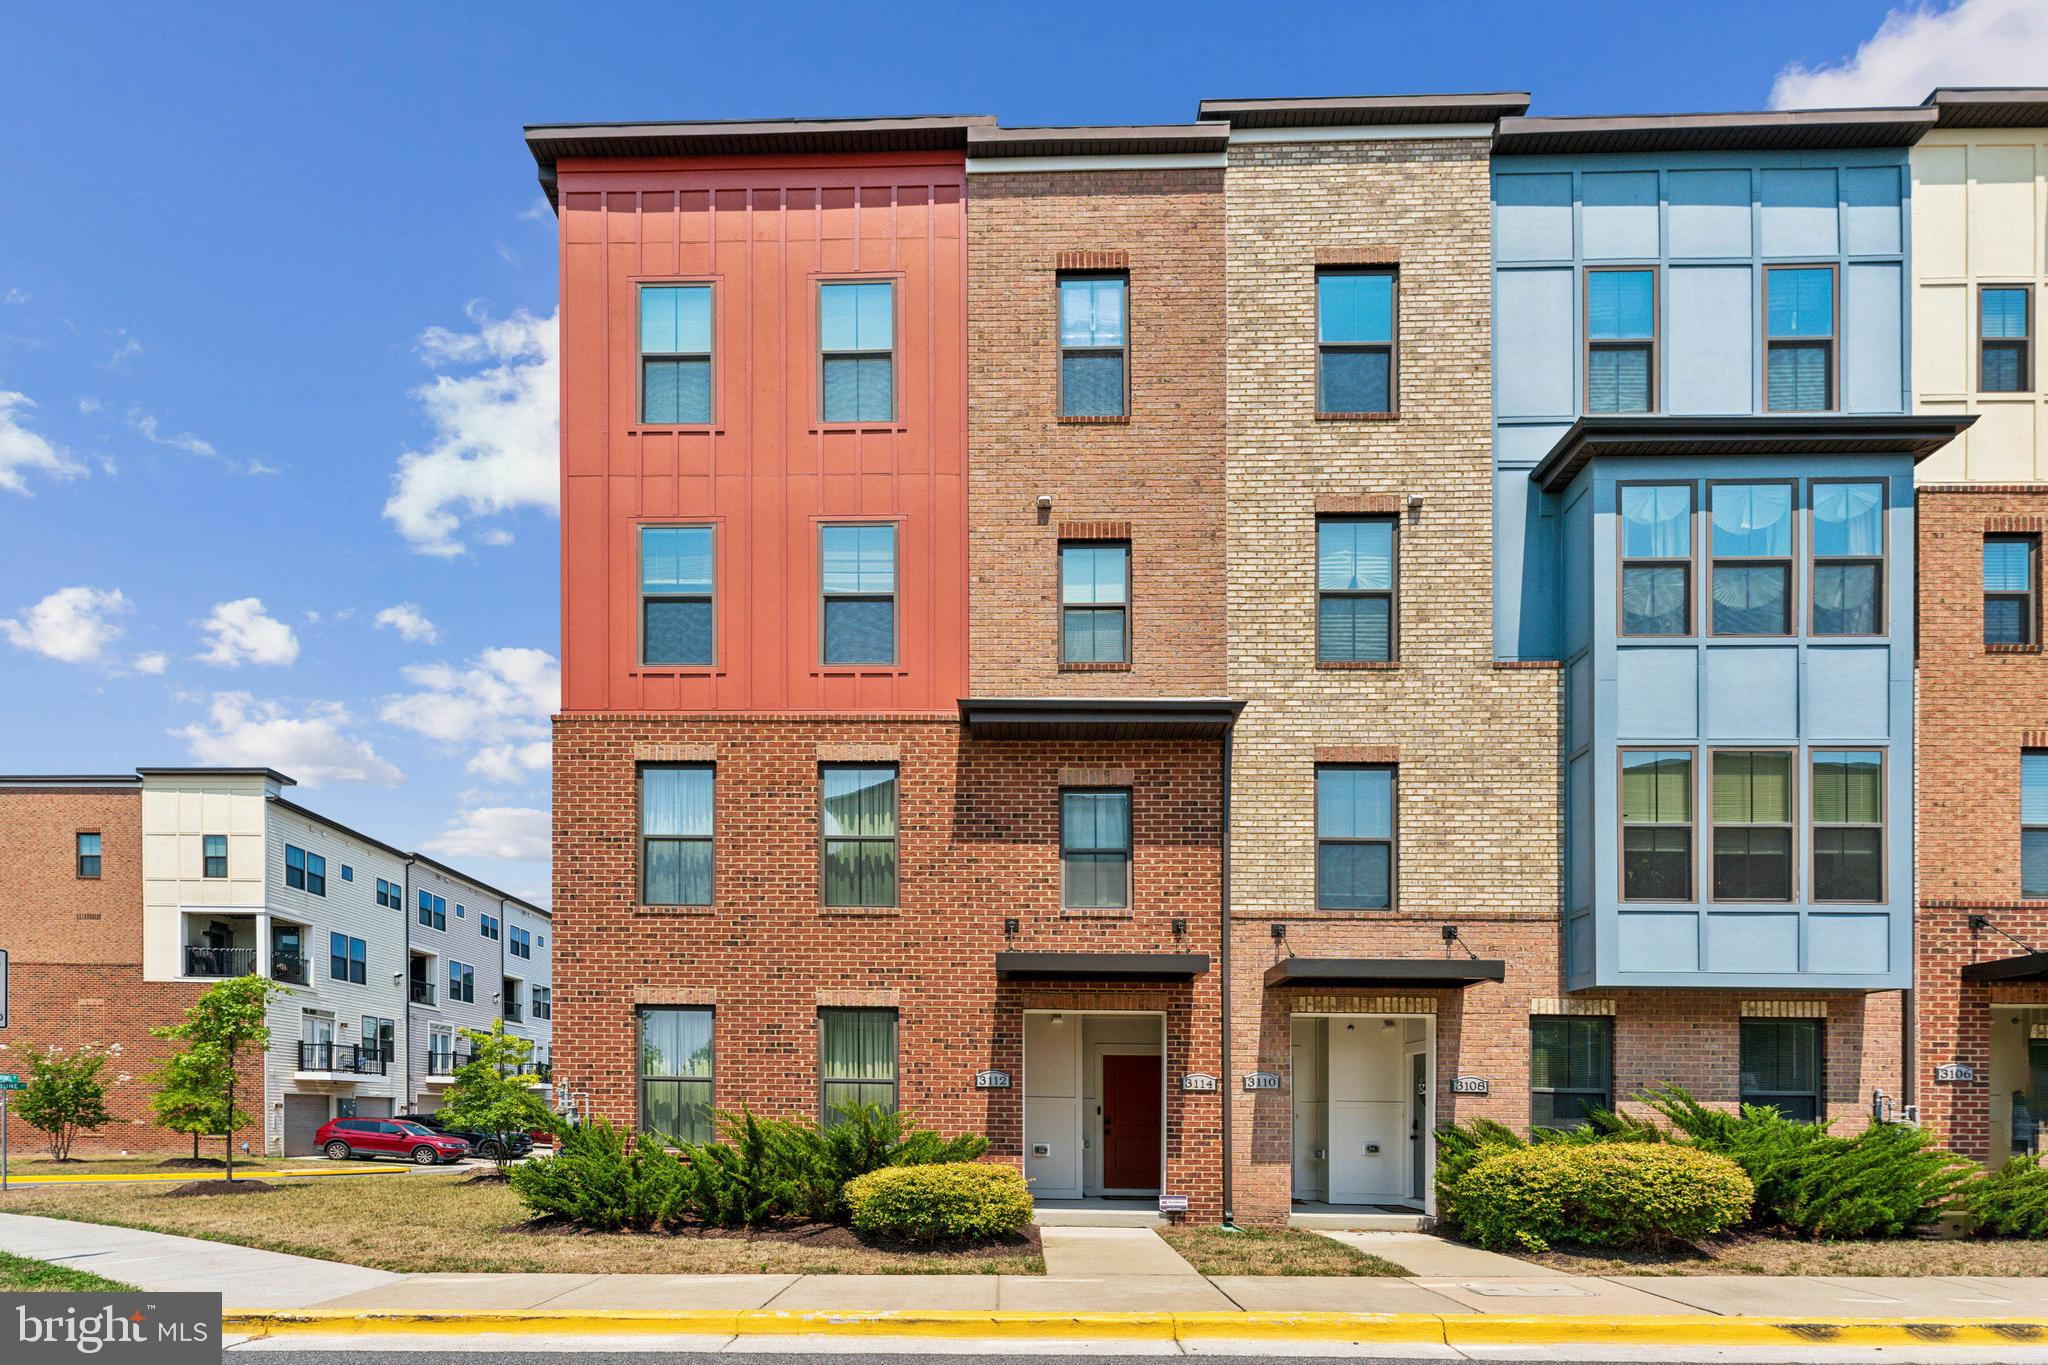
{"x": 676, "y": 596}
{"x": 2005, "y": 361}
{"x": 1095, "y": 850}
{"x": 213, "y": 852}
{"x": 1848, "y": 558}
{"x": 1752, "y": 818}
{"x": 1621, "y": 340}
{"x": 1656, "y": 559}
{"x": 2034, "y": 824}
{"x": 1752, "y": 558}
{"x": 1094, "y": 343}
{"x": 1355, "y": 589}
{"x": 677, "y": 810}
{"x": 1354, "y": 837}
{"x": 1848, "y": 825}
{"x": 856, "y": 1060}
{"x": 857, "y": 343}
{"x": 858, "y": 816}
{"x": 1571, "y": 1069}
{"x": 1781, "y": 1066}
{"x": 1095, "y": 597}
{"x": 1656, "y": 825}
{"x": 1354, "y": 341}
{"x": 2011, "y": 573}
{"x": 1799, "y": 346}
{"x": 857, "y": 583}
{"x": 347, "y": 959}
{"x": 675, "y": 353}
{"x": 675, "y": 1072}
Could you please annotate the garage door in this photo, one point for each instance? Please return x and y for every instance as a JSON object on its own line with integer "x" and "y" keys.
{"x": 373, "y": 1107}
{"x": 303, "y": 1115}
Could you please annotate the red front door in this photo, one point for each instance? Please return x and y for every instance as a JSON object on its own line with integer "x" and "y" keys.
{"x": 1130, "y": 1122}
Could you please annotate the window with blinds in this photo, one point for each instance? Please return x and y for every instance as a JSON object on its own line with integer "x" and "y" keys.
{"x": 1848, "y": 558}
{"x": 1848, "y": 825}
{"x": 1355, "y": 351}
{"x": 1656, "y": 559}
{"x": 1656, "y": 825}
{"x": 857, "y": 350}
{"x": 1752, "y": 815}
{"x": 1621, "y": 340}
{"x": 857, "y": 814}
{"x": 857, "y": 585}
{"x": 1751, "y": 529}
{"x": 676, "y": 827}
{"x": 1094, "y": 345}
{"x": 675, "y": 353}
{"x": 676, "y": 1073}
{"x": 1799, "y": 346}
{"x": 2005, "y": 361}
{"x": 1095, "y": 849}
{"x": 1095, "y": 599}
{"x": 1781, "y": 1066}
{"x": 1571, "y": 1069}
{"x": 1354, "y": 837}
{"x": 676, "y": 594}
{"x": 2034, "y": 824}
{"x": 2011, "y": 577}
{"x": 1355, "y": 572}
{"x": 856, "y": 1061}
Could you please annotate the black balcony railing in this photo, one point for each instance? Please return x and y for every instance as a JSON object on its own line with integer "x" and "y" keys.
{"x": 514, "y": 1014}
{"x": 345, "y": 1057}
{"x": 423, "y": 992}
{"x": 290, "y": 967}
{"x": 448, "y": 1063}
{"x": 201, "y": 960}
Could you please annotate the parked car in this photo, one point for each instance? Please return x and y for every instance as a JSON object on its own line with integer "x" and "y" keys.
{"x": 414, "y": 1142}
{"x": 484, "y": 1145}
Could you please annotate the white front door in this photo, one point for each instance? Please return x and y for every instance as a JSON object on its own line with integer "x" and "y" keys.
{"x": 1368, "y": 1111}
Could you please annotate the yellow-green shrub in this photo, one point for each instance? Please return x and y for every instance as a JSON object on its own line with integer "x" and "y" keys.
{"x": 959, "y": 1201}
{"x": 1602, "y": 1194}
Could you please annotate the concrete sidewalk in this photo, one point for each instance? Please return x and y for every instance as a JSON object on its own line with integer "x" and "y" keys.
{"x": 158, "y": 1262}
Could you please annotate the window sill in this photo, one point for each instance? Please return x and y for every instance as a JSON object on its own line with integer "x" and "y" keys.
{"x": 829, "y": 428}
{"x": 1359, "y": 665}
{"x": 675, "y": 671}
{"x": 1102, "y": 667}
{"x": 674, "y": 911}
{"x": 2012, "y": 649}
{"x": 860, "y": 670}
{"x": 860, "y": 912}
{"x": 676, "y": 429}
{"x": 1067, "y": 912}
{"x": 1394, "y": 416}
{"x": 1123, "y": 420}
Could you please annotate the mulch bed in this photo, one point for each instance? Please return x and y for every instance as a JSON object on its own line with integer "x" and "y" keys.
{"x": 835, "y": 1236}
{"x": 243, "y": 1186}
{"x": 489, "y": 1176}
{"x": 191, "y": 1163}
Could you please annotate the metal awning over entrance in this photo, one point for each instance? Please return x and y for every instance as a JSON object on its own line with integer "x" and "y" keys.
{"x": 1099, "y": 717}
{"x": 1137, "y": 967}
{"x": 1420, "y": 972}
{"x": 2025, "y": 967}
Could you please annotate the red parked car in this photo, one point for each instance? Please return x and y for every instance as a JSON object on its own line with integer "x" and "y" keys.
{"x": 344, "y": 1138}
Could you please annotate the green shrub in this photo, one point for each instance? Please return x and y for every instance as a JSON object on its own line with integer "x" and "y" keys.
{"x": 599, "y": 1180}
{"x": 820, "y": 1161}
{"x": 1460, "y": 1146}
{"x": 740, "y": 1182}
{"x": 952, "y": 1202}
{"x": 2012, "y": 1201}
{"x": 1622, "y": 1193}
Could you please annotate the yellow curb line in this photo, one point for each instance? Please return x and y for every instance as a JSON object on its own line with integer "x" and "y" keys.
{"x": 258, "y": 1174}
{"x": 1440, "y": 1329}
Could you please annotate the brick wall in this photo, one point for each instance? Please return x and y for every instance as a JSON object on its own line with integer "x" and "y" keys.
{"x": 1157, "y": 477}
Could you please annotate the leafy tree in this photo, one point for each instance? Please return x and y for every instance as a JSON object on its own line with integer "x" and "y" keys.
{"x": 492, "y": 1094}
{"x": 222, "y": 1026}
{"x": 192, "y": 1094}
{"x": 64, "y": 1095}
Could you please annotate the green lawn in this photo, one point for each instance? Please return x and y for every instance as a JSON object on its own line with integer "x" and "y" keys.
{"x": 20, "y": 1275}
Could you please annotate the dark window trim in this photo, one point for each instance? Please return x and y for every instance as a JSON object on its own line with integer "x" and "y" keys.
{"x": 1883, "y": 558}
{"x": 640, "y": 1076}
{"x": 1129, "y": 850}
{"x": 640, "y": 357}
{"x": 1819, "y": 1093}
{"x": 1884, "y": 839}
{"x": 354, "y": 956}
{"x": 206, "y": 859}
{"x": 375, "y": 1042}
{"x": 1060, "y": 549}
{"x": 1789, "y": 560}
{"x": 433, "y": 914}
{"x": 1392, "y": 346}
{"x": 1648, "y": 344}
{"x": 464, "y": 973}
{"x": 1392, "y": 841}
{"x": 1392, "y": 592}
{"x": 2031, "y": 600}
{"x": 316, "y": 873}
{"x": 895, "y": 1063}
{"x": 2024, "y": 343}
{"x": 1059, "y": 322}
{"x": 894, "y": 279}
{"x": 640, "y": 529}
{"x": 1790, "y": 826}
{"x": 1691, "y": 826}
{"x": 1606, "y": 1024}
{"x": 1623, "y": 563}
{"x": 894, "y": 597}
{"x": 894, "y": 840}
{"x": 1832, "y": 342}
{"x": 300, "y": 869}
{"x": 640, "y": 828}
{"x": 79, "y": 857}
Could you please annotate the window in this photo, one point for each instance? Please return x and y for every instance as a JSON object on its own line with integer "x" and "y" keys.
{"x": 433, "y": 911}
{"x": 856, "y": 1060}
{"x": 1656, "y": 559}
{"x": 348, "y": 874}
{"x": 1752, "y": 818}
{"x": 1355, "y": 365}
{"x": 2034, "y": 824}
{"x": 213, "y": 852}
{"x": 88, "y": 850}
{"x": 676, "y": 620}
{"x": 316, "y": 875}
{"x": 521, "y": 943}
{"x": 440, "y": 1051}
{"x": 1751, "y": 530}
{"x": 461, "y": 982}
{"x": 1848, "y": 558}
{"x": 1354, "y": 838}
{"x": 857, "y": 814}
{"x": 543, "y": 1002}
{"x": 857, "y": 345}
{"x": 675, "y": 1073}
{"x": 380, "y": 1038}
{"x": 675, "y": 353}
{"x": 1799, "y": 350}
{"x": 857, "y": 580}
{"x": 460, "y": 910}
{"x": 389, "y": 895}
{"x": 1355, "y": 569}
{"x": 1095, "y": 599}
{"x": 295, "y": 867}
{"x": 1781, "y": 1066}
{"x": 676, "y": 820}
{"x": 346, "y": 959}
{"x": 1094, "y": 345}
{"x": 1571, "y": 1069}
{"x": 1656, "y": 825}
{"x": 1095, "y": 850}
{"x": 487, "y": 925}
{"x": 2011, "y": 578}
{"x": 2005, "y": 359}
{"x": 1848, "y": 825}
{"x": 1621, "y": 340}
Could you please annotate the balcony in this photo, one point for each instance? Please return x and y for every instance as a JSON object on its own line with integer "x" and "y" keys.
{"x": 204, "y": 960}
{"x": 291, "y": 967}
{"x": 442, "y": 1066}
{"x": 422, "y": 992}
{"x": 339, "y": 1060}
{"x": 515, "y": 1013}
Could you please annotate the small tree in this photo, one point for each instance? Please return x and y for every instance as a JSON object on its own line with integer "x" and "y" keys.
{"x": 64, "y": 1095}
{"x": 192, "y": 1093}
{"x": 491, "y": 1094}
{"x": 221, "y": 1026}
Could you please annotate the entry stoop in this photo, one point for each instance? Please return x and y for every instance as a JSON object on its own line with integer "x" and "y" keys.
{"x": 1364, "y": 1220}
{"x": 1090, "y": 1213}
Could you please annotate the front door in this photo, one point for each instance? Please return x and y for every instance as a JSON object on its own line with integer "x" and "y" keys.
{"x": 1368, "y": 1111}
{"x": 1130, "y": 1122}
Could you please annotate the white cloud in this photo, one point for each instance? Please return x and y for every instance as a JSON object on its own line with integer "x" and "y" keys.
{"x": 494, "y": 448}
{"x": 509, "y": 763}
{"x": 258, "y": 467}
{"x": 145, "y": 424}
{"x": 22, "y": 449}
{"x": 71, "y": 625}
{"x": 239, "y": 632}
{"x": 410, "y": 622}
{"x": 540, "y": 208}
{"x": 153, "y": 662}
{"x": 126, "y": 348}
{"x": 519, "y": 833}
{"x": 1918, "y": 47}
{"x": 21, "y": 295}
{"x": 313, "y": 746}
{"x": 89, "y": 405}
{"x": 503, "y": 695}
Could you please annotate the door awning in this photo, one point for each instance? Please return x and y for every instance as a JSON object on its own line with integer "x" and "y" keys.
{"x": 1100, "y": 966}
{"x": 1099, "y": 717}
{"x": 2025, "y": 967}
{"x": 1383, "y": 971}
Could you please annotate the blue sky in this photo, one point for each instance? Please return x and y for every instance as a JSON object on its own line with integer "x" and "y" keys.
{"x": 276, "y": 300}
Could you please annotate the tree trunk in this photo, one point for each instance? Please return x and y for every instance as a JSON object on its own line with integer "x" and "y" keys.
{"x": 230, "y": 1124}
{"x": 195, "y": 1144}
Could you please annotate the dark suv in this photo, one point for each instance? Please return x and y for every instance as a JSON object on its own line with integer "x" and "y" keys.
{"x": 485, "y": 1145}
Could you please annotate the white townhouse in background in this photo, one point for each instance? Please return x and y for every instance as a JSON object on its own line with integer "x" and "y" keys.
{"x": 472, "y": 959}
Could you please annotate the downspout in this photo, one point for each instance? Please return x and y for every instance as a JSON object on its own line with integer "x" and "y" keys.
{"x": 1223, "y": 961}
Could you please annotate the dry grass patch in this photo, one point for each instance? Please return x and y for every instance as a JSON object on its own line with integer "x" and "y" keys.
{"x": 1272, "y": 1251}
{"x": 157, "y": 1163}
{"x": 417, "y": 1223}
{"x": 1759, "y": 1255}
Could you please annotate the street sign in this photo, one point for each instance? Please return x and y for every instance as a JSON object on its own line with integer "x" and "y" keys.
{"x": 11, "y": 1081}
